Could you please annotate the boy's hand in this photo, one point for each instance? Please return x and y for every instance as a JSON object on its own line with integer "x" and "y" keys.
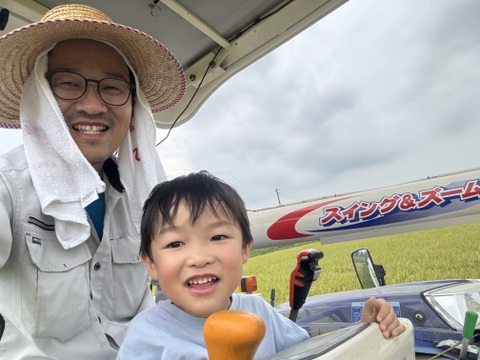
{"x": 381, "y": 312}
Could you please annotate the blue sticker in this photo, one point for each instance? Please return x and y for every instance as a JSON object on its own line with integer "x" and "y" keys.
{"x": 396, "y": 308}
{"x": 357, "y": 311}
{"x": 358, "y": 306}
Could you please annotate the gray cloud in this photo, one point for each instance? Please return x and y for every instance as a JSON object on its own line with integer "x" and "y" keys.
{"x": 376, "y": 94}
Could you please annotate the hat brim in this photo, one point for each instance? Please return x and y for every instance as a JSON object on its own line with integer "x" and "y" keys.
{"x": 159, "y": 74}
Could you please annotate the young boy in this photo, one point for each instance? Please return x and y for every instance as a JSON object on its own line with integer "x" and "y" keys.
{"x": 195, "y": 238}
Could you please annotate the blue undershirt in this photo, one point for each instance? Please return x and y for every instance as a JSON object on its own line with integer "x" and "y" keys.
{"x": 96, "y": 211}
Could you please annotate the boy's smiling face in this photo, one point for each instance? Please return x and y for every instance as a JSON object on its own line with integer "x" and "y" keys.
{"x": 198, "y": 266}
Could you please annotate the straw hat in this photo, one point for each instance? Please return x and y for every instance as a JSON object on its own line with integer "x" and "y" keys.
{"x": 160, "y": 75}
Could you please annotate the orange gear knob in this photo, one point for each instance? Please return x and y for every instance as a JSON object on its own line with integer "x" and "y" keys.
{"x": 233, "y": 334}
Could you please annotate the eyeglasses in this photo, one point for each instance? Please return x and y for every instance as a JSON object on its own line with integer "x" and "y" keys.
{"x": 68, "y": 85}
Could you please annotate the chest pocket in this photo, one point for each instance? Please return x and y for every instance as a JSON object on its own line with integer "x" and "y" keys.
{"x": 55, "y": 288}
{"x": 129, "y": 277}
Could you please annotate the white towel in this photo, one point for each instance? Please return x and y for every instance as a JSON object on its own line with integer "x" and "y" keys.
{"x": 64, "y": 180}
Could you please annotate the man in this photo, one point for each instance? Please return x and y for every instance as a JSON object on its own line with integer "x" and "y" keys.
{"x": 83, "y": 90}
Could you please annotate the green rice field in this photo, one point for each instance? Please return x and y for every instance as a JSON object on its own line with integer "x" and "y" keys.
{"x": 443, "y": 253}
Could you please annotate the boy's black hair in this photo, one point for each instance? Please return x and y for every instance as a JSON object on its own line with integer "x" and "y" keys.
{"x": 198, "y": 191}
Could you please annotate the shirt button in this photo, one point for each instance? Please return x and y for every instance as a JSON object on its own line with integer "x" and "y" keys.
{"x": 97, "y": 266}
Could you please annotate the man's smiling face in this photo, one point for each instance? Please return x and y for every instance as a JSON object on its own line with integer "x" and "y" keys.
{"x": 97, "y": 128}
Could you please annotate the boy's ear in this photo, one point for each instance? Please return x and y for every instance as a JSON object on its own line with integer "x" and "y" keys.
{"x": 246, "y": 251}
{"x": 152, "y": 269}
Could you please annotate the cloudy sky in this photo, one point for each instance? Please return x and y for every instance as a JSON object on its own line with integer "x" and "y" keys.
{"x": 378, "y": 93}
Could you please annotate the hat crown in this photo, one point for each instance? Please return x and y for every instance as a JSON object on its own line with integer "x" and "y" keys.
{"x": 75, "y": 11}
{"x": 160, "y": 76}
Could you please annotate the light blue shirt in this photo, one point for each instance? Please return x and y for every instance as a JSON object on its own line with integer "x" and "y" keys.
{"x": 166, "y": 332}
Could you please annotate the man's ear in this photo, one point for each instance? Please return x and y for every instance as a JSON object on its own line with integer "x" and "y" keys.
{"x": 132, "y": 117}
{"x": 133, "y": 106}
{"x": 152, "y": 269}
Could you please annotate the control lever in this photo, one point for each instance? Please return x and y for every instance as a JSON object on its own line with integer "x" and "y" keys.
{"x": 468, "y": 329}
{"x": 305, "y": 272}
{"x": 248, "y": 284}
{"x": 272, "y": 297}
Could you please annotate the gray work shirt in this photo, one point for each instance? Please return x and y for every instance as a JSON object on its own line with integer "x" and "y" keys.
{"x": 65, "y": 304}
